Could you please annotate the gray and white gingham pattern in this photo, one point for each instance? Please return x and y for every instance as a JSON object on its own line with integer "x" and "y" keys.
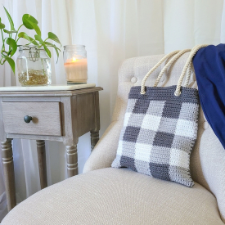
{"x": 159, "y": 132}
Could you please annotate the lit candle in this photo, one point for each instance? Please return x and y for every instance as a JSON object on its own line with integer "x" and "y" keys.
{"x": 76, "y": 70}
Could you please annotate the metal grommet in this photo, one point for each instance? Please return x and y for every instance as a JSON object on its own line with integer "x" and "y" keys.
{"x": 177, "y": 94}
{"x": 143, "y": 91}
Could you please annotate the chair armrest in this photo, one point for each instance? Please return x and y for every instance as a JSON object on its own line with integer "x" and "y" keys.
{"x": 105, "y": 151}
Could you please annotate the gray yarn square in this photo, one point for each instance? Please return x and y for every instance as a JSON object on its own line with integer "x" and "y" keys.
{"x": 188, "y": 111}
{"x": 130, "y": 105}
{"x": 156, "y": 108}
{"x": 141, "y": 106}
{"x": 128, "y": 149}
{"x": 171, "y": 110}
{"x": 142, "y": 167}
{"x": 160, "y": 171}
{"x": 131, "y": 134}
{"x": 160, "y": 155}
{"x": 183, "y": 143}
{"x": 163, "y": 139}
{"x": 146, "y": 136}
{"x": 128, "y": 162}
{"x": 167, "y": 125}
{"x": 135, "y": 120}
{"x": 183, "y": 178}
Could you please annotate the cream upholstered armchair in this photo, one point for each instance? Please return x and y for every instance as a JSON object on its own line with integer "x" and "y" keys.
{"x": 105, "y": 195}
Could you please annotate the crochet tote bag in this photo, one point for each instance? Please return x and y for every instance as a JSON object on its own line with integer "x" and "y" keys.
{"x": 160, "y": 127}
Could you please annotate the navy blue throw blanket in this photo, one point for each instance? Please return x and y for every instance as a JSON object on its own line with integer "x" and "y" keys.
{"x": 209, "y": 64}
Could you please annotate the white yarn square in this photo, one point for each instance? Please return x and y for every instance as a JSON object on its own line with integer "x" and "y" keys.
{"x": 151, "y": 122}
{"x": 126, "y": 118}
{"x": 186, "y": 128}
{"x": 120, "y": 148}
{"x": 179, "y": 158}
{"x": 143, "y": 152}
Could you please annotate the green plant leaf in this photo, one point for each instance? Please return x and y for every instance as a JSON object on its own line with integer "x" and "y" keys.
{"x": 38, "y": 38}
{"x": 2, "y": 25}
{"x": 52, "y": 45}
{"x": 31, "y": 23}
{"x": 25, "y": 36}
{"x": 10, "y": 19}
{"x": 12, "y": 43}
{"x": 53, "y": 37}
{"x": 27, "y": 20}
{"x": 36, "y": 28}
{"x": 49, "y": 44}
{"x": 10, "y": 61}
{"x": 57, "y": 53}
{"x": 47, "y": 51}
{"x": 3, "y": 46}
{"x": 10, "y": 31}
{"x": 57, "y": 50}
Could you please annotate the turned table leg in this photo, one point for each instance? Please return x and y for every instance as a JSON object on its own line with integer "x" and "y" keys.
{"x": 71, "y": 158}
{"x": 94, "y": 138}
{"x": 7, "y": 160}
{"x": 42, "y": 163}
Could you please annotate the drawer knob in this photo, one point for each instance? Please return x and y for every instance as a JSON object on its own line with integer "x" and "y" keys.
{"x": 27, "y": 118}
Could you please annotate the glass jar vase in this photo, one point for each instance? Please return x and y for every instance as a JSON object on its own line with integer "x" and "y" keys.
{"x": 75, "y": 63}
{"x": 33, "y": 66}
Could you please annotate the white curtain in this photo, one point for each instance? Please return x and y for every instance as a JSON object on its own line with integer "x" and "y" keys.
{"x": 112, "y": 31}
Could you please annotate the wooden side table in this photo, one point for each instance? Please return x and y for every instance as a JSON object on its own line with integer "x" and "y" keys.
{"x": 50, "y": 115}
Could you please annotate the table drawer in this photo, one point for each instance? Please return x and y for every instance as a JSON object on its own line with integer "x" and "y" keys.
{"x": 45, "y": 118}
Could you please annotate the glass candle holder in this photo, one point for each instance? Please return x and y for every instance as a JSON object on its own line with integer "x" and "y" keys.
{"x": 75, "y": 63}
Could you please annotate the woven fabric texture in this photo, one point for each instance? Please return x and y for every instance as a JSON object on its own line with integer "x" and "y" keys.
{"x": 116, "y": 197}
{"x": 159, "y": 132}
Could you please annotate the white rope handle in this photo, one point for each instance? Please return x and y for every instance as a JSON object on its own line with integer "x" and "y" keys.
{"x": 153, "y": 69}
{"x": 188, "y": 75}
{"x": 189, "y": 60}
{"x": 174, "y": 58}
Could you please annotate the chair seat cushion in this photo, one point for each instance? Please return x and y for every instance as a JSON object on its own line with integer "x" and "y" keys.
{"x": 116, "y": 196}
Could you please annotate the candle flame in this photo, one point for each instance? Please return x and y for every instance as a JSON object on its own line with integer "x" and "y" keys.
{"x": 74, "y": 59}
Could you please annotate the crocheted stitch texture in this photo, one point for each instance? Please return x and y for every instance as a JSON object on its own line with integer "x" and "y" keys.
{"x": 159, "y": 132}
